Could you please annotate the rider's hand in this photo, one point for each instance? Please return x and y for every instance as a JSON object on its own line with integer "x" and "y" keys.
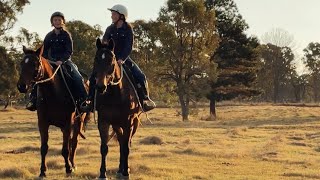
{"x": 59, "y": 63}
{"x": 120, "y": 61}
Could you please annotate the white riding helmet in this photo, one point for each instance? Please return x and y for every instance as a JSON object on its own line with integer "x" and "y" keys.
{"x": 121, "y": 9}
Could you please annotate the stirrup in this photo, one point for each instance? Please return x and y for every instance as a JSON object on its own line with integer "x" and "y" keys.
{"x": 148, "y": 106}
{"x": 86, "y": 106}
{"x": 31, "y": 106}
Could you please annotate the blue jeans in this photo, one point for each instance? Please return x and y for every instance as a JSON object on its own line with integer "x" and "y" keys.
{"x": 137, "y": 73}
{"x": 77, "y": 89}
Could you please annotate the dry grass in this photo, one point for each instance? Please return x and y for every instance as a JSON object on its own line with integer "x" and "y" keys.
{"x": 244, "y": 142}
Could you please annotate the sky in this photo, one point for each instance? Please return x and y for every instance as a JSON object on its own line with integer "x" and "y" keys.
{"x": 299, "y": 18}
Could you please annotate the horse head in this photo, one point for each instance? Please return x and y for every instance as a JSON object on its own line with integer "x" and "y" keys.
{"x": 31, "y": 68}
{"x": 104, "y": 65}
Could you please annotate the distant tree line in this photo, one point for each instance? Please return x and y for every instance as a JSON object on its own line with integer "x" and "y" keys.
{"x": 195, "y": 51}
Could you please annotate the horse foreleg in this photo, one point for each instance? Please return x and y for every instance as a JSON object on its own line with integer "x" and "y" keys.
{"x": 65, "y": 149}
{"x": 124, "y": 141}
{"x": 44, "y": 136}
{"x": 104, "y": 133}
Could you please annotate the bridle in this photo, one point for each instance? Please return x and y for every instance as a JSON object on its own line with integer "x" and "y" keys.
{"x": 112, "y": 76}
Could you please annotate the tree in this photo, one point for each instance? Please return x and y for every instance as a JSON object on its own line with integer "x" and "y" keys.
{"x": 236, "y": 56}
{"x": 279, "y": 37}
{"x": 26, "y": 38}
{"x": 186, "y": 38}
{"x": 84, "y": 37}
{"x": 312, "y": 61}
{"x": 8, "y": 71}
{"x": 8, "y": 76}
{"x": 144, "y": 54}
{"x": 276, "y": 70}
{"x": 8, "y": 12}
{"x": 299, "y": 84}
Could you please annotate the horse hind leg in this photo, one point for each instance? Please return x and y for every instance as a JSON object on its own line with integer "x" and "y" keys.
{"x": 104, "y": 133}
{"x": 74, "y": 142}
{"x": 66, "y": 150}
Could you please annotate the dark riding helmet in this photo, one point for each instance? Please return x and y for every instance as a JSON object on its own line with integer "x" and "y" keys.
{"x": 57, "y": 14}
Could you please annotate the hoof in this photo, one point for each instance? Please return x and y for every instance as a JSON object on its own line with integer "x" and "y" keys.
{"x": 74, "y": 168}
{"x": 42, "y": 176}
{"x": 103, "y": 176}
{"x": 70, "y": 173}
{"x": 121, "y": 176}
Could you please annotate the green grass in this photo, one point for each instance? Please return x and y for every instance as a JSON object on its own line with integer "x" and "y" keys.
{"x": 245, "y": 142}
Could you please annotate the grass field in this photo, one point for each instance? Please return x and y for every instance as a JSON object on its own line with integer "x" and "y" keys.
{"x": 245, "y": 142}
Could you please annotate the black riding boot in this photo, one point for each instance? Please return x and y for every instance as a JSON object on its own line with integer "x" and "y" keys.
{"x": 87, "y": 105}
{"x": 146, "y": 102}
{"x": 32, "y": 104}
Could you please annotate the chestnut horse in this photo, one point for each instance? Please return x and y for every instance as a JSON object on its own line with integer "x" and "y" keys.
{"x": 54, "y": 105}
{"x": 116, "y": 104}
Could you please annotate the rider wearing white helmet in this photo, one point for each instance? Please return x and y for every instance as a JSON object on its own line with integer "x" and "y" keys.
{"x": 122, "y": 34}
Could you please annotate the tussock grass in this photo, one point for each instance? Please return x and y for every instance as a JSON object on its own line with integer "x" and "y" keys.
{"x": 29, "y": 149}
{"x": 55, "y": 164}
{"x": 8, "y": 109}
{"x": 15, "y": 173}
{"x": 88, "y": 175}
{"x": 152, "y": 140}
{"x": 157, "y": 155}
{"x": 86, "y": 151}
{"x": 301, "y": 175}
{"x": 238, "y": 131}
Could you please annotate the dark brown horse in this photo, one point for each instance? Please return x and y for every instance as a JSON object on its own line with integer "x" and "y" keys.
{"x": 54, "y": 105}
{"x": 116, "y": 104}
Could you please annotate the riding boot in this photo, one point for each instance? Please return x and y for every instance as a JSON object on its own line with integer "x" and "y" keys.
{"x": 87, "y": 105}
{"x": 146, "y": 102}
{"x": 32, "y": 104}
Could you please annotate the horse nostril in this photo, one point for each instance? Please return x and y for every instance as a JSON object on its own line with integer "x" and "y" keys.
{"x": 101, "y": 88}
{"x": 22, "y": 88}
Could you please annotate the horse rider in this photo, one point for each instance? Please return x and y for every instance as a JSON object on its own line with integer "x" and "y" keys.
{"x": 58, "y": 48}
{"x": 122, "y": 34}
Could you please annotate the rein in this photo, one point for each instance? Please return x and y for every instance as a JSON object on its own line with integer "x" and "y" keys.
{"x": 48, "y": 79}
{"x": 121, "y": 76}
{"x": 64, "y": 80}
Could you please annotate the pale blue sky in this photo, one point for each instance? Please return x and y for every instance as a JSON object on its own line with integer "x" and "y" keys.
{"x": 297, "y": 17}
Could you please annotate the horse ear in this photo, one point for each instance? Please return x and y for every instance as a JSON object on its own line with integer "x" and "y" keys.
{"x": 111, "y": 44}
{"x": 98, "y": 43}
{"x": 39, "y": 51}
{"x": 24, "y": 49}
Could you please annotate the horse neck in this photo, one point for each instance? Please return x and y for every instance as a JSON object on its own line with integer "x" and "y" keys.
{"x": 55, "y": 82}
{"x": 117, "y": 71}
{"x": 47, "y": 69}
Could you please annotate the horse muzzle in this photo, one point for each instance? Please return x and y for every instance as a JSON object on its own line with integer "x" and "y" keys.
{"x": 101, "y": 88}
{"x": 22, "y": 88}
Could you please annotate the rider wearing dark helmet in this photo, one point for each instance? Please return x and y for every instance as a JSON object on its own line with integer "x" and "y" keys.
{"x": 58, "y": 48}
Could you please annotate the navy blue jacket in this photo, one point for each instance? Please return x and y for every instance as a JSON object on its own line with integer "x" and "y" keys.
{"x": 58, "y": 47}
{"x": 123, "y": 38}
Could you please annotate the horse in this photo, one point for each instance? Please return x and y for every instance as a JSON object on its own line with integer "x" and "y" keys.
{"x": 54, "y": 105}
{"x": 117, "y": 105}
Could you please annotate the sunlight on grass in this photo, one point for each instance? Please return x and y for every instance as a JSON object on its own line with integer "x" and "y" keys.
{"x": 245, "y": 142}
